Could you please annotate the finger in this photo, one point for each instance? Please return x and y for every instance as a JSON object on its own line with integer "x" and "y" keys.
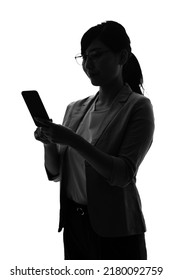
{"x": 40, "y": 132}
{"x": 37, "y": 132}
{"x": 42, "y": 137}
{"x": 44, "y": 129}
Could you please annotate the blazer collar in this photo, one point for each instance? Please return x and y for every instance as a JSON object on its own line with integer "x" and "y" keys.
{"x": 116, "y": 106}
{"x": 83, "y": 107}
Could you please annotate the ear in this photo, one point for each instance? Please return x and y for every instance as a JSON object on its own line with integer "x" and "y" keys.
{"x": 123, "y": 56}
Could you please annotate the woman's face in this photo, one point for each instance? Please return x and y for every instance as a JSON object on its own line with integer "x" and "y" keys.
{"x": 101, "y": 65}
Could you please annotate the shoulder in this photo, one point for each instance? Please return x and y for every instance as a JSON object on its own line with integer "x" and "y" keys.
{"x": 81, "y": 102}
{"x": 76, "y": 105}
{"x": 139, "y": 98}
{"x": 142, "y": 106}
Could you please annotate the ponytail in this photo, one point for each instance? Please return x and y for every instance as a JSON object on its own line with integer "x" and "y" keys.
{"x": 132, "y": 74}
{"x": 114, "y": 36}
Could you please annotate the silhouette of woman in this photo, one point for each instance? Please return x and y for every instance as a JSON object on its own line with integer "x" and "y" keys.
{"x": 97, "y": 151}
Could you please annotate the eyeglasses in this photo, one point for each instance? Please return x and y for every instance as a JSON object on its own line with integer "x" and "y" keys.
{"x": 80, "y": 59}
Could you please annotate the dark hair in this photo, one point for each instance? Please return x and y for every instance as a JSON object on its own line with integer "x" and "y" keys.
{"x": 114, "y": 35}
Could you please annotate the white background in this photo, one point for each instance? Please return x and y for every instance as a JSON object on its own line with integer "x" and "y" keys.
{"x": 38, "y": 42}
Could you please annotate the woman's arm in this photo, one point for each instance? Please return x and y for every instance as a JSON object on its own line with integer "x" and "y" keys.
{"x": 120, "y": 169}
{"x": 51, "y": 154}
{"x": 102, "y": 162}
{"x": 51, "y": 159}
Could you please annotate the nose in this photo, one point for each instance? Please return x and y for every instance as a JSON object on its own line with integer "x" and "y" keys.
{"x": 88, "y": 63}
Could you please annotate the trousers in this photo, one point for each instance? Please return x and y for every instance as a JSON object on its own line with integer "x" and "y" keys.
{"x": 81, "y": 242}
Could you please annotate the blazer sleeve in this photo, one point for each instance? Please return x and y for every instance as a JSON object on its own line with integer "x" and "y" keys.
{"x": 57, "y": 177}
{"x": 136, "y": 142}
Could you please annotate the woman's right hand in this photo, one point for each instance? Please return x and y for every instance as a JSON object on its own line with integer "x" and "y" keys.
{"x": 40, "y": 136}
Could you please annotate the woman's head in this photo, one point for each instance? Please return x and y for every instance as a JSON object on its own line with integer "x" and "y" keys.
{"x": 113, "y": 35}
{"x": 110, "y": 33}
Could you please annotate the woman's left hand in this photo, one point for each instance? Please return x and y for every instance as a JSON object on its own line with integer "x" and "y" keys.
{"x": 56, "y": 133}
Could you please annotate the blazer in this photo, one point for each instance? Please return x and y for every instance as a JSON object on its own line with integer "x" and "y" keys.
{"x": 126, "y": 134}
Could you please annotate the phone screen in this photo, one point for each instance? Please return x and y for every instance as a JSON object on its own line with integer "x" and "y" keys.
{"x": 35, "y": 105}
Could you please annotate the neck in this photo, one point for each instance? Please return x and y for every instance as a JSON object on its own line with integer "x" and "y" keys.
{"x": 107, "y": 93}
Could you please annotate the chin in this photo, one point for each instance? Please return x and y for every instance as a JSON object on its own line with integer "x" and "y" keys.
{"x": 94, "y": 82}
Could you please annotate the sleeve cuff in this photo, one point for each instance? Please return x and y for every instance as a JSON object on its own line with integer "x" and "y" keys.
{"x": 120, "y": 173}
{"x": 55, "y": 178}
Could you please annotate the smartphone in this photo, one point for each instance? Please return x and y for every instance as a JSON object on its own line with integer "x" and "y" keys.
{"x": 35, "y": 105}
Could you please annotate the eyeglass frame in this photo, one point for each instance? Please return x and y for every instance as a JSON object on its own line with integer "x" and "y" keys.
{"x": 93, "y": 56}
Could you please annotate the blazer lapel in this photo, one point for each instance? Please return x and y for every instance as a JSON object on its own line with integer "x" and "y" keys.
{"x": 117, "y": 104}
{"x": 78, "y": 112}
{"x": 81, "y": 107}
